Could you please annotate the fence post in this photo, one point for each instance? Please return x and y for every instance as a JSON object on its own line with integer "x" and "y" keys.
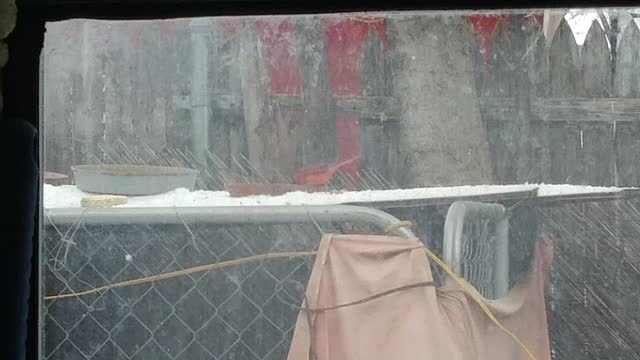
{"x": 259, "y": 120}
{"x": 564, "y": 139}
{"x": 522, "y": 98}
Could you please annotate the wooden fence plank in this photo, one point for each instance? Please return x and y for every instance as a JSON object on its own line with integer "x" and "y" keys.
{"x": 233, "y": 115}
{"x": 221, "y": 64}
{"x": 379, "y": 108}
{"x": 501, "y": 85}
{"x": 259, "y": 119}
{"x": 123, "y": 70}
{"x": 153, "y": 139}
{"x": 200, "y": 103}
{"x": 501, "y": 66}
{"x": 563, "y": 64}
{"x": 563, "y": 141}
{"x": 627, "y": 78}
{"x": 320, "y": 138}
{"x": 87, "y": 125}
{"x": 597, "y": 140}
{"x": 537, "y": 59}
{"x": 116, "y": 93}
{"x": 372, "y": 134}
{"x": 628, "y": 153}
{"x": 598, "y": 154}
{"x": 564, "y": 152}
{"x": 587, "y": 110}
{"x": 596, "y": 64}
{"x": 62, "y": 92}
{"x": 576, "y": 110}
{"x": 627, "y": 84}
{"x": 179, "y": 115}
{"x": 538, "y": 72}
{"x": 522, "y": 133}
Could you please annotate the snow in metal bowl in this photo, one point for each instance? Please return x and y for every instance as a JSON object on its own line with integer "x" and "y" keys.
{"x": 132, "y": 179}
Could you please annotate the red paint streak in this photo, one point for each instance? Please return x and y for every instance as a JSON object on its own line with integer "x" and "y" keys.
{"x": 485, "y": 27}
{"x": 282, "y": 59}
{"x": 346, "y": 38}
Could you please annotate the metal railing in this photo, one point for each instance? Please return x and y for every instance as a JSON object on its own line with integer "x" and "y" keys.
{"x": 231, "y": 215}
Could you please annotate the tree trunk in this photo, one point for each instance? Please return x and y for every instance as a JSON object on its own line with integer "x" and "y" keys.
{"x": 443, "y": 141}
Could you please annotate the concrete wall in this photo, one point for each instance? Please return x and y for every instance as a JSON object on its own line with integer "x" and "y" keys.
{"x": 7, "y": 23}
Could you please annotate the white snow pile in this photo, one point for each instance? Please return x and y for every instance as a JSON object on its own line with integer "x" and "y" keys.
{"x": 69, "y": 196}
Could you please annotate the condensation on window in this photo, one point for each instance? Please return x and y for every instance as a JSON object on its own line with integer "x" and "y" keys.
{"x": 202, "y": 175}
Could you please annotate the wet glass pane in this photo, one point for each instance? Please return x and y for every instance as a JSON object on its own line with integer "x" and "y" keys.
{"x": 196, "y": 167}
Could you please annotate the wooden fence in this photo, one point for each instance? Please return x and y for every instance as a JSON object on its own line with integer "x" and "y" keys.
{"x": 130, "y": 94}
{"x": 582, "y": 114}
{"x": 213, "y": 94}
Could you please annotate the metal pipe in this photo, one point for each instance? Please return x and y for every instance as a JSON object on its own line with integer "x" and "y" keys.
{"x": 453, "y": 231}
{"x": 227, "y": 215}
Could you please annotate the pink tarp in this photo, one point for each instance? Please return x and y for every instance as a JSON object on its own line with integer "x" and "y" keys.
{"x": 416, "y": 323}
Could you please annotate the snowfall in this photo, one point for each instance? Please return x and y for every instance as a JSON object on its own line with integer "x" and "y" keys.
{"x": 69, "y": 196}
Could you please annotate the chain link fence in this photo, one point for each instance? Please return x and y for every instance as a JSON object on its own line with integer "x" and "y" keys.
{"x": 594, "y": 312}
{"x": 249, "y": 311}
{"x": 243, "y": 312}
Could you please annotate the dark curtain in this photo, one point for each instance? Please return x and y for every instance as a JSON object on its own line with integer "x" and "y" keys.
{"x": 20, "y": 194}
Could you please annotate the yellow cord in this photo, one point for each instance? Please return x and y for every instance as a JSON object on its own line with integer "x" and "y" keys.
{"x": 475, "y": 295}
{"x": 393, "y": 227}
{"x": 215, "y": 266}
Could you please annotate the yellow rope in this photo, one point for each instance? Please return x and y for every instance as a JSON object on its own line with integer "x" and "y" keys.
{"x": 215, "y": 266}
{"x": 475, "y": 295}
{"x": 393, "y": 227}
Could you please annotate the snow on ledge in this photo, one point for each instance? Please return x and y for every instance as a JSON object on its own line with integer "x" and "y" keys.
{"x": 69, "y": 196}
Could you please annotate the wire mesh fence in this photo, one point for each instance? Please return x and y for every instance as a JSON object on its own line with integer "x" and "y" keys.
{"x": 244, "y": 312}
{"x": 595, "y": 282}
{"x": 249, "y": 311}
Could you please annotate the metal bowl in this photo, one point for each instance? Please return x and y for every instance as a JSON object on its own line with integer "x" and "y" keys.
{"x": 132, "y": 179}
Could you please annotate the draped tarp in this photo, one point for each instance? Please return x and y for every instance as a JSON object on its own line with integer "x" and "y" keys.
{"x": 417, "y": 322}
